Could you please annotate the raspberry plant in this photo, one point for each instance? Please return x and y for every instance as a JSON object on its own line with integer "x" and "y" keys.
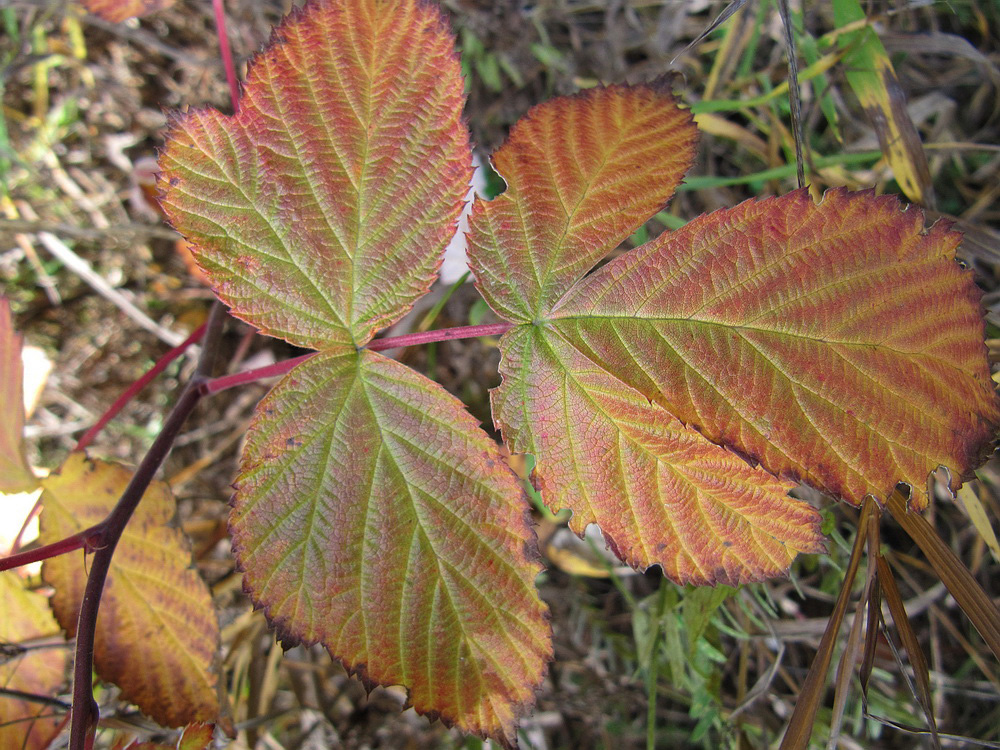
{"x": 673, "y": 396}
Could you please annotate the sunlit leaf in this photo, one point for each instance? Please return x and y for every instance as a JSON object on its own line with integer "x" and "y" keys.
{"x": 157, "y": 634}
{"x": 15, "y": 473}
{"x": 838, "y": 343}
{"x": 25, "y": 615}
{"x": 117, "y": 11}
{"x": 373, "y": 516}
{"x": 660, "y": 492}
{"x": 346, "y": 166}
{"x": 582, "y": 173}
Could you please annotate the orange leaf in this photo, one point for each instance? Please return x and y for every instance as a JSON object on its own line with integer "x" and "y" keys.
{"x": 25, "y": 615}
{"x": 157, "y": 634}
{"x": 582, "y": 173}
{"x": 660, "y": 492}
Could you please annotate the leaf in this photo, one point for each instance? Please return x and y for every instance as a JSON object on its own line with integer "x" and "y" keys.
{"x": 873, "y": 80}
{"x": 373, "y": 516}
{"x": 837, "y": 343}
{"x": 660, "y": 492}
{"x": 157, "y": 634}
{"x": 582, "y": 173}
{"x": 15, "y": 473}
{"x": 117, "y": 11}
{"x": 25, "y": 724}
{"x": 346, "y": 165}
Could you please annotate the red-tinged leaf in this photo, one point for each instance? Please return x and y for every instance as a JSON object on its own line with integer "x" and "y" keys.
{"x": 15, "y": 473}
{"x": 838, "y": 343}
{"x": 320, "y": 211}
{"x": 157, "y": 634}
{"x": 660, "y": 492}
{"x": 373, "y": 516}
{"x": 25, "y": 615}
{"x": 582, "y": 172}
{"x": 117, "y": 11}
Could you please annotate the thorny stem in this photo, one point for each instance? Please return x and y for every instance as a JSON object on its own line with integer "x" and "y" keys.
{"x": 85, "y": 713}
{"x": 392, "y": 342}
{"x": 441, "y": 334}
{"x": 89, "y": 539}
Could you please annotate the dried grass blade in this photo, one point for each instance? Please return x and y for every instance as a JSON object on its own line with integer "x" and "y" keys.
{"x": 910, "y": 642}
{"x": 800, "y": 725}
{"x": 975, "y": 602}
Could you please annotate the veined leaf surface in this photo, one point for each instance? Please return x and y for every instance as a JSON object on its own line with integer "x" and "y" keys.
{"x": 157, "y": 635}
{"x": 373, "y": 516}
{"x": 660, "y": 492}
{"x": 346, "y": 165}
{"x": 25, "y": 724}
{"x": 838, "y": 343}
{"x": 582, "y": 173}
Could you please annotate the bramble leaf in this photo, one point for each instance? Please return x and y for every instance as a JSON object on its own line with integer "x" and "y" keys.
{"x": 15, "y": 473}
{"x": 157, "y": 634}
{"x": 837, "y": 343}
{"x": 346, "y": 165}
{"x": 660, "y": 492}
{"x": 26, "y": 724}
{"x": 372, "y": 515}
{"x": 582, "y": 173}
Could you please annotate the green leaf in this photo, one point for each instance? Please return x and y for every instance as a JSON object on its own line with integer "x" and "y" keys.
{"x": 346, "y": 165}
{"x": 373, "y": 516}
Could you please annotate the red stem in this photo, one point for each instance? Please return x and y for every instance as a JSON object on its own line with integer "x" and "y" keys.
{"x": 85, "y": 714}
{"x": 227, "y": 55}
{"x": 393, "y": 342}
{"x": 89, "y": 539}
{"x": 137, "y": 386}
{"x": 441, "y": 334}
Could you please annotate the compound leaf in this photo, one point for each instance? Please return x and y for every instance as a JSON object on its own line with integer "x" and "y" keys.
{"x": 660, "y": 492}
{"x": 347, "y": 165}
{"x": 372, "y": 515}
{"x": 15, "y": 473}
{"x": 582, "y": 173}
{"x": 838, "y": 343}
{"x": 157, "y": 634}
{"x": 26, "y": 616}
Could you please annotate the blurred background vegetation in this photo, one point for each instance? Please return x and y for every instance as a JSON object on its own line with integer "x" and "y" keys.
{"x": 903, "y": 97}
